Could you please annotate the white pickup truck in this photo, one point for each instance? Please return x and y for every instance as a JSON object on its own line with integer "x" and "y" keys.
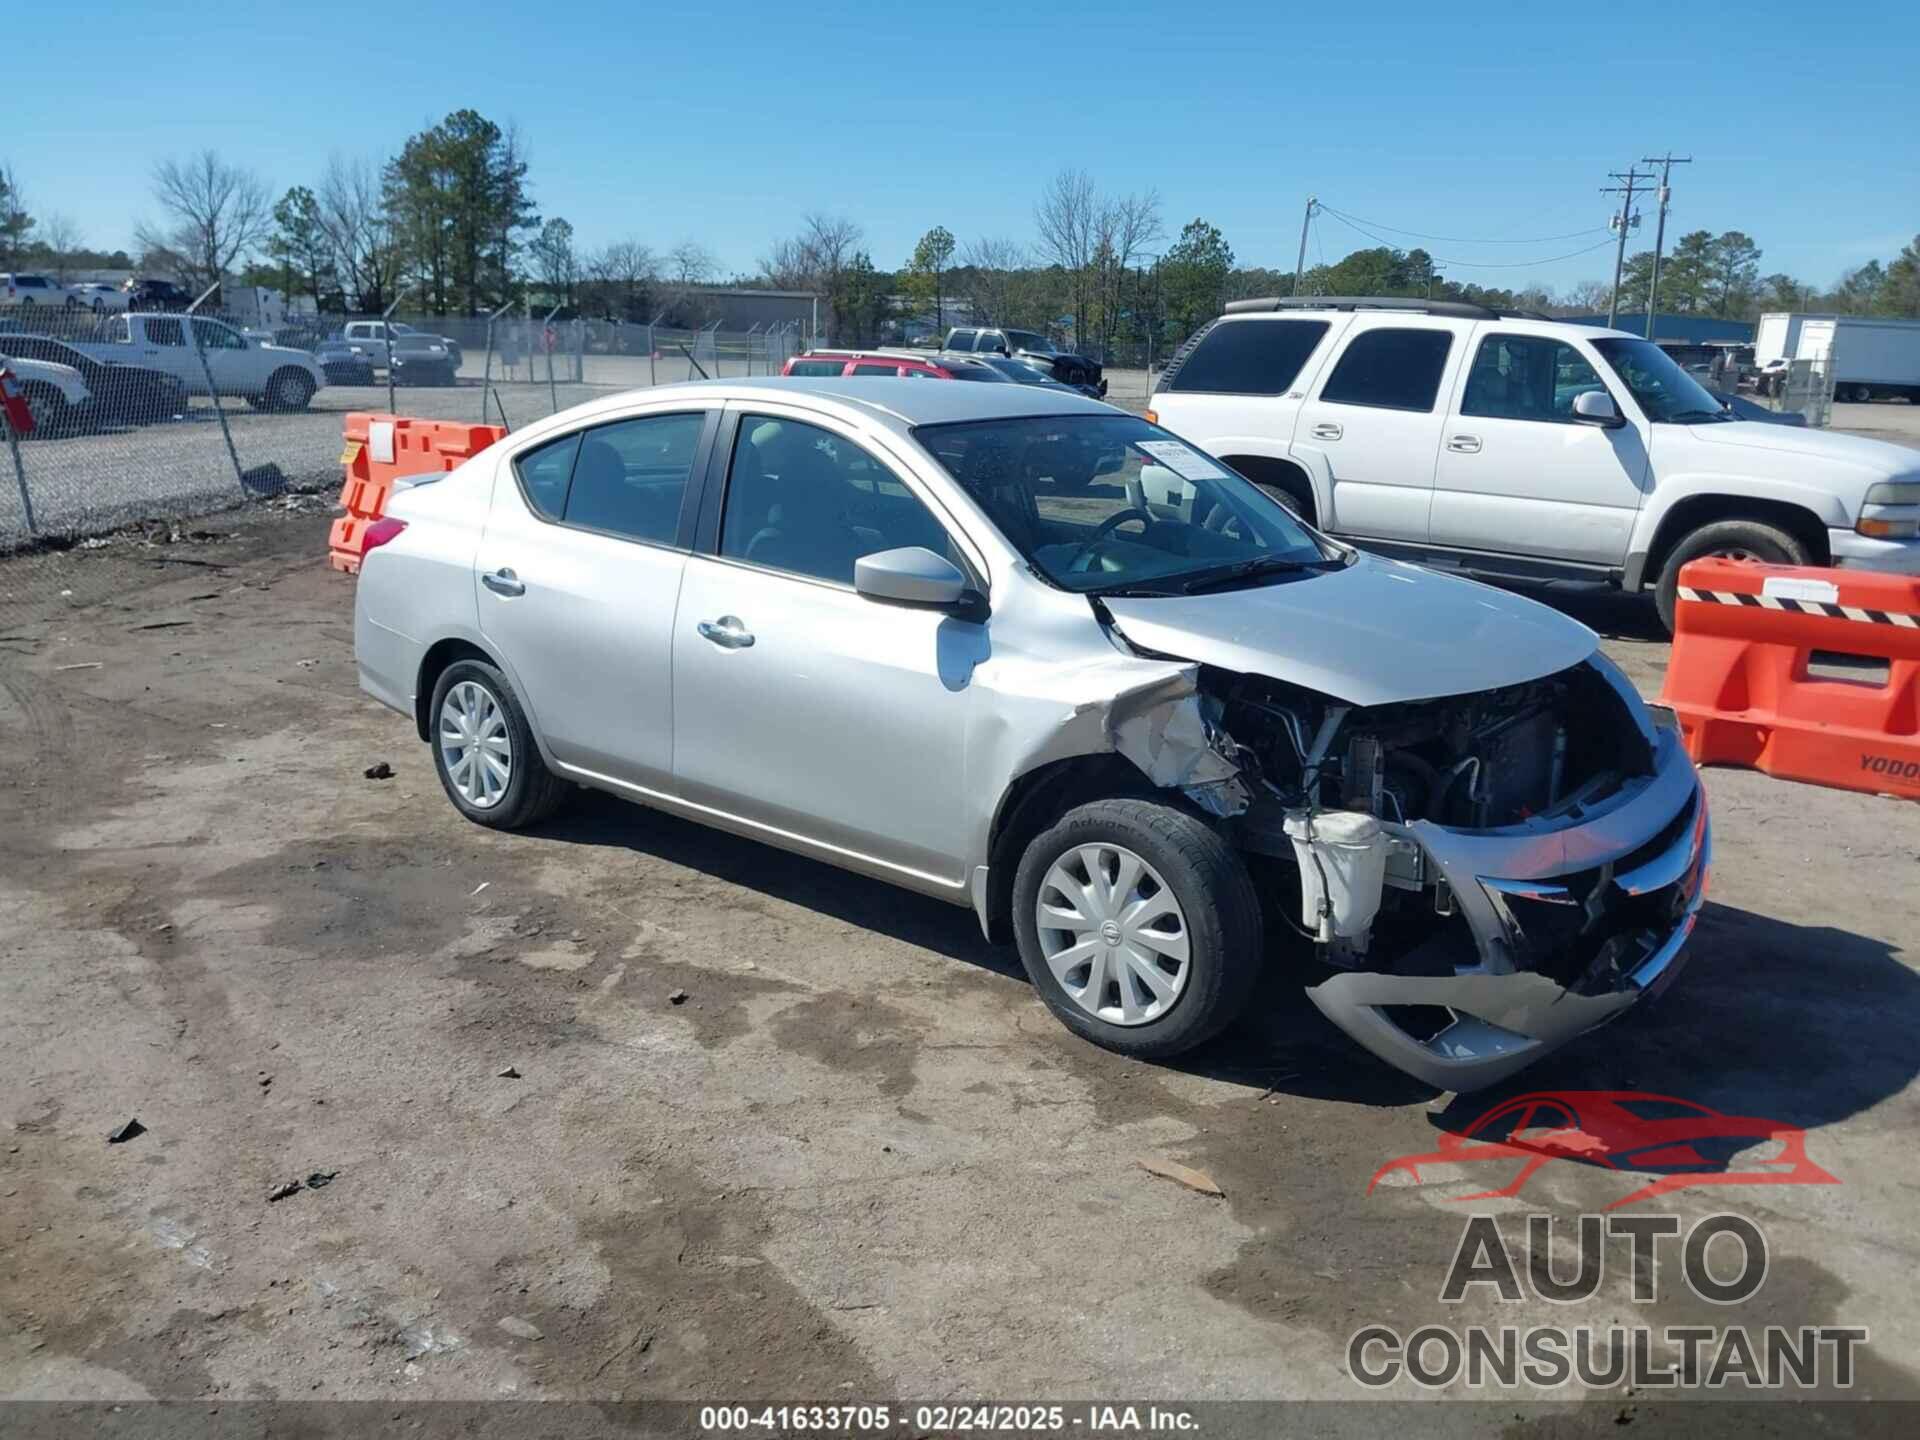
{"x": 271, "y": 377}
{"x": 1513, "y": 446}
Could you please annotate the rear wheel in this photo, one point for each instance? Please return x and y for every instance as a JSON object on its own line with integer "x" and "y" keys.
{"x": 1138, "y": 925}
{"x": 1731, "y": 540}
{"x": 289, "y": 390}
{"x": 484, "y": 750}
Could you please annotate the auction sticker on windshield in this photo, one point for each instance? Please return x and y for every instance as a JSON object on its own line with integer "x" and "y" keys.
{"x": 1183, "y": 460}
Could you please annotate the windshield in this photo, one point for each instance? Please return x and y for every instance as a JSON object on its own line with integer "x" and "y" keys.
{"x": 1028, "y": 340}
{"x": 1666, "y": 392}
{"x": 1108, "y": 504}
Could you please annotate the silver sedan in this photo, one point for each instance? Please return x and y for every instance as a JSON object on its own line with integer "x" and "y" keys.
{"x": 1011, "y": 648}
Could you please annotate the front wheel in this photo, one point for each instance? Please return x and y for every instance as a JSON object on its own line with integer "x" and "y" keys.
{"x": 484, "y": 750}
{"x": 1138, "y": 925}
{"x": 1731, "y": 540}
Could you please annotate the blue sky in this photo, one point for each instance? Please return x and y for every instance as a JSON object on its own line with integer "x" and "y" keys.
{"x": 724, "y": 124}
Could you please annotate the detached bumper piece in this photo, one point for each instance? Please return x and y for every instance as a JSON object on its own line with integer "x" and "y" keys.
{"x": 1563, "y": 930}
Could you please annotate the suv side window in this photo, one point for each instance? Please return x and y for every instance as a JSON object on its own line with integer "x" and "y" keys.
{"x": 1390, "y": 369}
{"x": 807, "y": 501}
{"x": 818, "y": 367}
{"x": 630, "y": 478}
{"x": 1527, "y": 377}
{"x": 875, "y": 368}
{"x": 1249, "y": 357}
{"x": 960, "y": 340}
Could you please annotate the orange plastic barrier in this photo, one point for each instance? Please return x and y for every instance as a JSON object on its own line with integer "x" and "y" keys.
{"x": 1745, "y": 640}
{"x": 381, "y": 449}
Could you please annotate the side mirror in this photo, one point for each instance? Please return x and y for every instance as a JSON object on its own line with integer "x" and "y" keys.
{"x": 1596, "y": 407}
{"x": 914, "y": 575}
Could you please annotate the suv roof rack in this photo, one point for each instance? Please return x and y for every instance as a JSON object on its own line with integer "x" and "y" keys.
{"x": 1460, "y": 309}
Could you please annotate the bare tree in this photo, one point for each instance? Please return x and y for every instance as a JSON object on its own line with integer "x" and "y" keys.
{"x": 1589, "y": 297}
{"x": 691, "y": 263}
{"x": 817, "y": 259}
{"x": 354, "y": 215}
{"x": 61, "y": 237}
{"x": 1068, "y": 222}
{"x": 216, "y": 213}
{"x": 15, "y": 223}
{"x": 994, "y": 278}
{"x": 624, "y": 272}
{"x": 1123, "y": 226}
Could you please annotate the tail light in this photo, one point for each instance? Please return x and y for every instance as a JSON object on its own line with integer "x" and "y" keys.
{"x": 379, "y": 533}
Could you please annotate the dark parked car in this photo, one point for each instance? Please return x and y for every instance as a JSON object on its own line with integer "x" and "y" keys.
{"x": 122, "y": 394}
{"x": 146, "y": 296}
{"x": 1029, "y": 372}
{"x": 1036, "y": 349}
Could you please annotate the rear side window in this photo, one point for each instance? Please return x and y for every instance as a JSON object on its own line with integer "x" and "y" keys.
{"x": 544, "y": 474}
{"x": 876, "y": 369}
{"x": 818, "y": 367}
{"x": 1390, "y": 369}
{"x": 630, "y": 479}
{"x": 960, "y": 340}
{"x": 1249, "y": 357}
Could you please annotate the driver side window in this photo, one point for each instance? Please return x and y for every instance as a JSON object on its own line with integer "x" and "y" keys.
{"x": 810, "y": 502}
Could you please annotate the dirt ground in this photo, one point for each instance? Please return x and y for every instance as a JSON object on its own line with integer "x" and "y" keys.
{"x": 776, "y": 1131}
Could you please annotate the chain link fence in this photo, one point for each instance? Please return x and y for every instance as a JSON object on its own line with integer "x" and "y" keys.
{"x": 139, "y": 417}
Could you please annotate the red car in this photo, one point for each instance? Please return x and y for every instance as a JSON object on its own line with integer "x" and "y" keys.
{"x": 822, "y": 363}
{"x": 1683, "y": 1143}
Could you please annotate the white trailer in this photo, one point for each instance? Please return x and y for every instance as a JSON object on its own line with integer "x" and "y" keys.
{"x": 1870, "y": 357}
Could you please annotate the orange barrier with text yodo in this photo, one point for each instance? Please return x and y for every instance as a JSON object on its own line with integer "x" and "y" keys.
{"x": 381, "y": 449}
{"x": 1747, "y": 641}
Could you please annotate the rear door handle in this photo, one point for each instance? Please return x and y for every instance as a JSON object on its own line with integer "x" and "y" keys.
{"x": 727, "y": 632}
{"x": 1464, "y": 444}
{"x": 504, "y": 582}
{"x": 1326, "y": 430}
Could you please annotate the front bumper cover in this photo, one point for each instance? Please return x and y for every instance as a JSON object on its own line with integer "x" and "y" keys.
{"x": 1571, "y": 927}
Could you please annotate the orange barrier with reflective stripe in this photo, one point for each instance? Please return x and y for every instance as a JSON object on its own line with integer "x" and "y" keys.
{"x": 1746, "y": 641}
{"x": 381, "y": 449}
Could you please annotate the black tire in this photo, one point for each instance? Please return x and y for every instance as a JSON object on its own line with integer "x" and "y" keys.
{"x": 1217, "y": 901}
{"x": 1741, "y": 539}
{"x": 289, "y": 390}
{"x": 533, "y": 792}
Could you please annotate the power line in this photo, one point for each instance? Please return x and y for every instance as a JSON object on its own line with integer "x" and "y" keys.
{"x": 1460, "y": 239}
{"x": 1477, "y": 264}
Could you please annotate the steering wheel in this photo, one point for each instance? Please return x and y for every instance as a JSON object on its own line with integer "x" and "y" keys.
{"x": 1106, "y": 527}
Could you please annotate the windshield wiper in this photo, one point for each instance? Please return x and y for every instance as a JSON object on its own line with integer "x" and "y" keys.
{"x": 1683, "y": 416}
{"x": 1246, "y": 569}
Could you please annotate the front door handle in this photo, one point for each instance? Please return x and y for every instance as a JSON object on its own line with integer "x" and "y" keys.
{"x": 1326, "y": 430}
{"x": 727, "y": 632}
{"x": 504, "y": 582}
{"x": 1464, "y": 444}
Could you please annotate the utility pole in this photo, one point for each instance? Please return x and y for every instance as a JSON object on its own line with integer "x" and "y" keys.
{"x": 1300, "y": 265}
{"x": 1624, "y": 222}
{"x": 1666, "y": 163}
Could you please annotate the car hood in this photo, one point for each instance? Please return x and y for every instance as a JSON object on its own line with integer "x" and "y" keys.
{"x": 1875, "y": 455}
{"x": 1379, "y": 632}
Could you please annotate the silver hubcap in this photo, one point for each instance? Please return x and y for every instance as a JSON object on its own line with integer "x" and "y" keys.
{"x": 1113, "y": 934}
{"x": 474, "y": 745}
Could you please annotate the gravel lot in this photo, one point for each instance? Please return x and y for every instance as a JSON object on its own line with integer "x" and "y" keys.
{"x": 858, "y": 1160}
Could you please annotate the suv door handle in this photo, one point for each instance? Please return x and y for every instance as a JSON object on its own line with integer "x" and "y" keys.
{"x": 504, "y": 582}
{"x": 1464, "y": 444}
{"x": 727, "y": 632}
{"x": 1326, "y": 430}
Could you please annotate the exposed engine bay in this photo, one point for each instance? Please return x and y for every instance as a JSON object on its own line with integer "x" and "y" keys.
{"x": 1475, "y": 762}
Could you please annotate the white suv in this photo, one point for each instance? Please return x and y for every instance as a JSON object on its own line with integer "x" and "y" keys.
{"x": 1513, "y": 446}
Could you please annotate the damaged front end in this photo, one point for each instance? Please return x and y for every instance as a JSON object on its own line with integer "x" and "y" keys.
{"x": 1486, "y": 876}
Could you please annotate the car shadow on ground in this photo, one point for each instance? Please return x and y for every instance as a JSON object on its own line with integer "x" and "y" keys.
{"x": 1804, "y": 1024}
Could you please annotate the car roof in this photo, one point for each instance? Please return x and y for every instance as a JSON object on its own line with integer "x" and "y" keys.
{"x": 894, "y": 402}
{"x": 1567, "y": 327}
